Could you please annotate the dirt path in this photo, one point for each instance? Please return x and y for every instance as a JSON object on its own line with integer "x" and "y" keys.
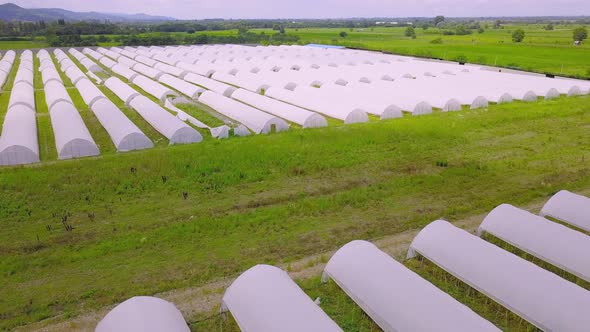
{"x": 203, "y": 301}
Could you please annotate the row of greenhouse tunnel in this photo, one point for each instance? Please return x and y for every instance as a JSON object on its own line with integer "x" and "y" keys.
{"x": 265, "y": 298}
{"x": 253, "y": 90}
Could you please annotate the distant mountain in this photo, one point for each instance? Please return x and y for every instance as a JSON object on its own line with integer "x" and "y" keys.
{"x": 12, "y": 12}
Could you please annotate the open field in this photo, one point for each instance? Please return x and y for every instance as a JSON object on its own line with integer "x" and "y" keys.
{"x": 541, "y": 51}
{"x": 249, "y": 201}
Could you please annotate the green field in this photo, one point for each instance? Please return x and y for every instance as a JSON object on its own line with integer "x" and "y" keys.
{"x": 541, "y": 51}
{"x": 267, "y": 199}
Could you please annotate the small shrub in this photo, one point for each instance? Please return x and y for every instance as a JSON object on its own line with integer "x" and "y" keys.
{"x": 343, "y": 34}
{"x": 410, "y": 32}
{"x": 580, "y": 34}
{"x": 461, "y": 58}
{"x": 437, "y": 41}
{"x": 518, "y": 35}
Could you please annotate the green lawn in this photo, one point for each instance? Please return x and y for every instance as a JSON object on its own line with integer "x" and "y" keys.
{"x": 267, "y": 199}
{"x": 19, "y": 45}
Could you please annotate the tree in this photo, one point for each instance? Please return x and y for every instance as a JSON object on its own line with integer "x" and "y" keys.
{"x": 410, "y": 32}
{"x": 518, "y": 35}
{"x": 549, "y": 27}
{"x": 282, "y": 30}
{"x": 343, "y": 34}
{"x": 580, "y": 34}
{"x": 480, "y": 30}
{"x": 438, "y": 19}
{"x": 460, "y": 30}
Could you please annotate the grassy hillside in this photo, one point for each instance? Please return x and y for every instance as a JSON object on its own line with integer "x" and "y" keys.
{"x": 82, "y": 234}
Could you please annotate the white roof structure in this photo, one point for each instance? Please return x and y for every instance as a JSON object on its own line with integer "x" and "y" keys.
{"x": 72, "y": 138}
{"x": 332, "y": 108}
{"x": 551, "y": 242}
{"x": 143, "y": 314}
{"x": 570, "y": 208}
{"x": 396, "y": 298}
{"x": 153, "y": 88}
{"x": 84, "y": 61}
{"x": 165, "y": 123}
{"x": 295, "y": 114}
{"x": 18, "y": 142}
{"x": 209, "y": 84}
{"x": 258, "y": 121}
{"x": 108, "y": 62}
{"x": 74, "y": 73}
{"x": 89, "y": 92}
{"x": 124, "y": 71}
{"x": 122, "y": 90}
{"x": 55, "y": 92}
{"x": 537, "y": 295}
{"x": 184, "y": 87}
{"x": 265, "y": 299}
{"x": 126, "y": 136}
{"x": 147, "y": 71}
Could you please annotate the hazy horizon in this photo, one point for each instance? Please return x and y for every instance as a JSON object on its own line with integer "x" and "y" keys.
{"x": 302, "y": 9}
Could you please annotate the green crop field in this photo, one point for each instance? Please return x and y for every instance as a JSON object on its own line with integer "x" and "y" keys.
{"x": 541, "y": 51}
{"x": 189, "y": 215}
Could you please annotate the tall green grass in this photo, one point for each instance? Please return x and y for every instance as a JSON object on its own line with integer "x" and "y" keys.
{"x": 267, "y": 199}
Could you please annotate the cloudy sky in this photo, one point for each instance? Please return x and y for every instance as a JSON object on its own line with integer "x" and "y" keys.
{"x": 195, "y": 9}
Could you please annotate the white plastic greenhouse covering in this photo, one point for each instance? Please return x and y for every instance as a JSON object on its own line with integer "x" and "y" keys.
{"x": 166, "y": 68}
{"x": 72, "y": 138}
{"x": 50, "y": 74}
{"x": 165, "y": 123}
{"x": 286, "y": 111}
{"x": 92, "y": 53}
{"x": 74, "y": 73}
{"x": 570, "y": 208}
{"x": 18, "y": 142}
{"x": 125, "y": 134}
{"x": 209, "y": 84}
{"x": 122, "y": 90}
{"x": 55, "y": 93}
{"x": 258, "y": 121}
{"x": 22, "y": 94}
{"x": 127, "y": 62}
{"x": 184, "y": 87}
{"x": 537, "y": 295}
{"x": 336, "y": 110}
{"x": 89, "y": 92}
{"x": 265, "y": 299}
{"x": 145, "y": 60}
{"x": 124, "y": 71}
{"x": 153, "y": 88}
{"x": 551, "y": 242}
{"x": 395, "y": 297}
{"x": 147, "y": 71}
{"x": 107, "y": 62}
{"x": 143, "y": 314}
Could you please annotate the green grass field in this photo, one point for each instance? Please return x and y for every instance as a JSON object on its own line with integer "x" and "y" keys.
{"x": 268, "y": 199}
{"x": 541, "y": 51}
